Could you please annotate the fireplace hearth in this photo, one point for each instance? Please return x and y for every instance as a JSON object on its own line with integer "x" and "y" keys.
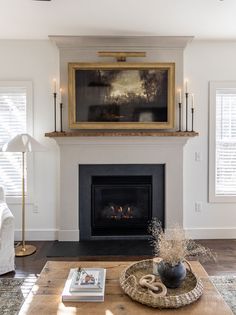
{"x": 118, "y": 201}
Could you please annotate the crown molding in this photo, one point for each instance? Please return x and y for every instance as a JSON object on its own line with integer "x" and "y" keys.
{"x": 118, "y": 42}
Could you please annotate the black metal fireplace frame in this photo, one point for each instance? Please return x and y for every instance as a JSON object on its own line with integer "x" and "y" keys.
{"x": 86, "y": 172}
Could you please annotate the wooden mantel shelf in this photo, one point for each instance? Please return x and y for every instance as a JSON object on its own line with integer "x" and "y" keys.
{"x": 82, "y": 133}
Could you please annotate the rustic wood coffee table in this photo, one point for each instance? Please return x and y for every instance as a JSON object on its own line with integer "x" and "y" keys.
{"x": 45, "y": 297}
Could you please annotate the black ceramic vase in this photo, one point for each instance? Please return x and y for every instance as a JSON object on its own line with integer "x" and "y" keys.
{"x": 171, "y": 276}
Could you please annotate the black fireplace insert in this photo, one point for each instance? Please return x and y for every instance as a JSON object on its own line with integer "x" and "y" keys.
{"x": 121, "y": 205}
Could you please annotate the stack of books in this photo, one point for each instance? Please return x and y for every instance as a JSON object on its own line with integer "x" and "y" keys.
{"x": 85, "y": 285}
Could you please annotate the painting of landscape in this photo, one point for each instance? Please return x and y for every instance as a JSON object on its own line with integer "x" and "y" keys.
{"x": 121, "y": 95}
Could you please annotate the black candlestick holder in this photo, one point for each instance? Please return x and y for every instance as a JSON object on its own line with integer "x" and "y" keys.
{"x": 61, "y": 107}
{"x": 186, "y": 96}
{"x": 180, "y": 117}
{"x": 192, "y": 113}
{"x": 55, "y": 111}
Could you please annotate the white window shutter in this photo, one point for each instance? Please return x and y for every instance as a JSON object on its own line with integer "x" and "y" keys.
{"x": 225, "y": 184}
{"x": 12, "y": 122}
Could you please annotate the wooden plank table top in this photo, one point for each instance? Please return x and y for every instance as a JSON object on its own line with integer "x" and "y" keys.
{"x": 45, "y": 297}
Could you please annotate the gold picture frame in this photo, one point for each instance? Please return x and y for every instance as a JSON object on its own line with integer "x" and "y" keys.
{"x": 121, "y": 95}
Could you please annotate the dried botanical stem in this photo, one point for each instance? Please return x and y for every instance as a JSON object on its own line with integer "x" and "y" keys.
{"x": 173, "y": 246}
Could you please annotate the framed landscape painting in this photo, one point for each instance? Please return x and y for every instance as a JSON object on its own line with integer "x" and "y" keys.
{"x": 121, "y": 95}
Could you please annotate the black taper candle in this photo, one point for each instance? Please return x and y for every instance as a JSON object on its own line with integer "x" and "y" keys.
{"x": 61, "y": 106}
{"x": 192, "y": 111}
{"x": 180, "y": 116}
{"x": 186, "y": 95}
{"x": 55, "y": 111}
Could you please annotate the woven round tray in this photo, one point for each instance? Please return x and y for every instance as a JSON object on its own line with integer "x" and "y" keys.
{"x": 189, "y": 291}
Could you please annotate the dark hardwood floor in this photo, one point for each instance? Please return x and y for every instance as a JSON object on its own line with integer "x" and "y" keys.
{"x": 226, "y": 257}
{"x": 32, "y": 265}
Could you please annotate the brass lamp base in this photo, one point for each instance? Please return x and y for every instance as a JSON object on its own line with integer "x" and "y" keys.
{"x": 27, "y": 250}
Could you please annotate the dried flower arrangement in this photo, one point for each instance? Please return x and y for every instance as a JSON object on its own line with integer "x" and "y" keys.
{"x": 173, "y": 246}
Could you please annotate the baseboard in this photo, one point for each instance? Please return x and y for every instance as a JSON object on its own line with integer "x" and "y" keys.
{"x": 73, "y": 235}
{"x": 68, "y": 235}
{"x": 37, "y": 235}
{"x": 211, "y": 233}
{"x": 48, "y": 235}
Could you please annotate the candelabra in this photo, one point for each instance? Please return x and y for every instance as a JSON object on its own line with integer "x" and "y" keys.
{"x": 186, "y": 96}
{"x": 55, "y": 111}
{"x": 180, "y": 116}
{"x": 61, "y": 107}
{"x": 192, "y": 112}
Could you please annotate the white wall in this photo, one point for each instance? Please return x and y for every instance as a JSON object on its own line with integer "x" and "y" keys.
{"x": 38, "y": 62}
{"x": 206, "y": 61}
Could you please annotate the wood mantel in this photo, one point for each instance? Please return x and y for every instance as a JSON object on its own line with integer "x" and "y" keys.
{"x": 83, "y": 133}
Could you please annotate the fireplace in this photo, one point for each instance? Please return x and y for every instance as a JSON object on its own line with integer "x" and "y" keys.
{"x": 132, "y": 149}
{"x": 118, "y": 201}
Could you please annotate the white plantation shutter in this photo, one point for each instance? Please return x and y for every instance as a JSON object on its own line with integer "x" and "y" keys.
{"x": 12, "y": 121}
{"x": 225, "y": 142}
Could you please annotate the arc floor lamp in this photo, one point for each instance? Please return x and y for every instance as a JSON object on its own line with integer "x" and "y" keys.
{"x": 23, "y": 143}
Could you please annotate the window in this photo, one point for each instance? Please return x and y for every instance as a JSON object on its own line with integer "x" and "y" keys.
{"x": 15, "y": 118}
{"x": 222, "y": 159}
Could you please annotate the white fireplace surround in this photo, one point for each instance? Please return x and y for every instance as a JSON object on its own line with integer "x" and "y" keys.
{"x": 75, "y": 151}
{"x": 118, "y": 150}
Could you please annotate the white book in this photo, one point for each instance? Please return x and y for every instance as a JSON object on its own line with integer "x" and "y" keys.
{"x": 82, "y": 296}
{"x": 90, "y": 279}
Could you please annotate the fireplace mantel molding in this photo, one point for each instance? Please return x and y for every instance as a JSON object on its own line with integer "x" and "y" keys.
{"x": 83, "y": 133}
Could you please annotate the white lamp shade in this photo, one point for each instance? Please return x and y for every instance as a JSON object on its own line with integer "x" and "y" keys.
{"x": 23, "y": 143}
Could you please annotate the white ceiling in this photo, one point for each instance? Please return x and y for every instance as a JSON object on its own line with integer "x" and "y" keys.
{"x": 203, "y": 19}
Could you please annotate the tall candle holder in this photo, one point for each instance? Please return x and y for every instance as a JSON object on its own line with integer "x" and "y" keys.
{"x": 186, "y": 96}
{"x": 192, "y": 113}
{"x": 180, "y": 116}
{"x": 55, "y": 111}
{"x": 61, "y": 107}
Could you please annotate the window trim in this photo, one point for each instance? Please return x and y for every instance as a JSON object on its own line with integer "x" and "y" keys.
{"x": 213, "y": 87}
{"x": 28, "y": 85}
